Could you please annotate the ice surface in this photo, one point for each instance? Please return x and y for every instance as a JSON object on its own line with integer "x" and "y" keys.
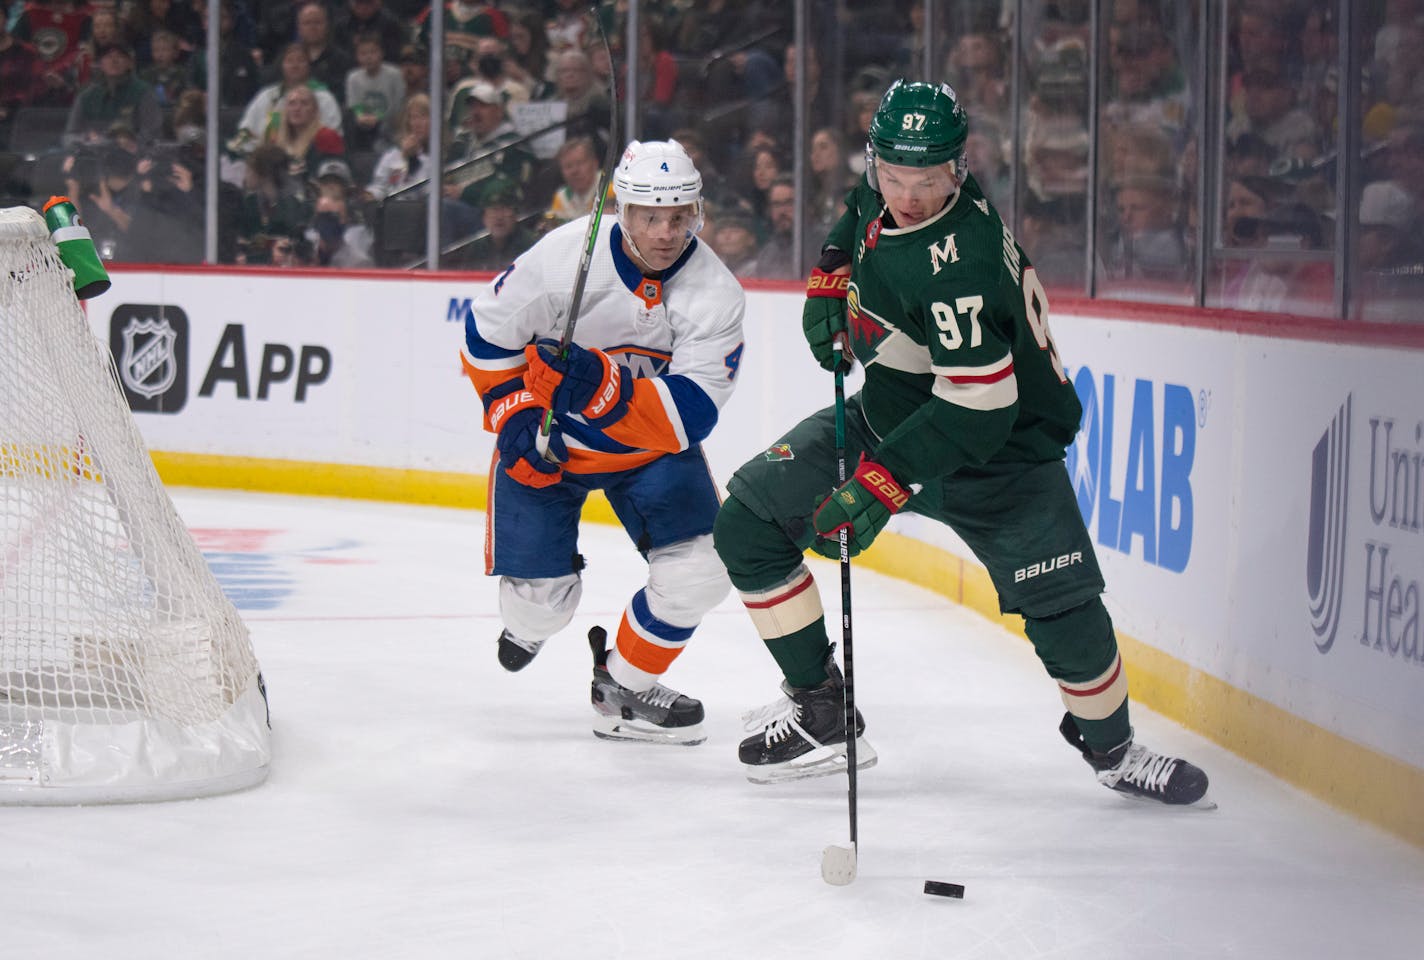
{"x": 424, "y": 803}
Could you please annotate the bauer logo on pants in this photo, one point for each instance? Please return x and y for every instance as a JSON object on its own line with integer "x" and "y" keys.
{"x": 150, "y": 347}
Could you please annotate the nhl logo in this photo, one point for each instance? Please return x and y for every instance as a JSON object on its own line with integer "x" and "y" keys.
{"x": 148, "y": 364}
{"x": 650, "y": 291}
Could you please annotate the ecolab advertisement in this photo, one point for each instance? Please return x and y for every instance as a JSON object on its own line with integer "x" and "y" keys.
{"x": 1255, "y": 502}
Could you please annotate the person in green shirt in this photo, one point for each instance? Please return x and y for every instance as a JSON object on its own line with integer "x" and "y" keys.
{"x": 963, "y": 418}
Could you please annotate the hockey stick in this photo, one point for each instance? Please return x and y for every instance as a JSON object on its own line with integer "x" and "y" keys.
{"x": 838, "y": 863}
{"x": 590, "y": 238}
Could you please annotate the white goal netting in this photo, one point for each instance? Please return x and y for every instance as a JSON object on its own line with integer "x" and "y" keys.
{"x": 125, "y": 673}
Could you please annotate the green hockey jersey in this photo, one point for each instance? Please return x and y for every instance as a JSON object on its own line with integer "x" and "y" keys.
{"x": 950, "y": 321}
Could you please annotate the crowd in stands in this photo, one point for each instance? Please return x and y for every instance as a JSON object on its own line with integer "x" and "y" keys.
{"x": 325, "y": 123}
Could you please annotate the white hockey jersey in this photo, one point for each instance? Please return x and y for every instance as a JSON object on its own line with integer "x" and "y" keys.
{"x": 680, "y": 336}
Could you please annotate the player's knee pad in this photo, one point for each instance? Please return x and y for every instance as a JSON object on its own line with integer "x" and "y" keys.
{"x": 538, "y": 609}
{"x": 757, "y": 553}
{"x": 1080, "y": 651}
{"x": 685, "y": 580}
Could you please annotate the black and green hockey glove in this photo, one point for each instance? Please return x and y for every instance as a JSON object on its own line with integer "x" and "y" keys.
{"x": 863, "y": 505}
{"x": 823, "y": 318}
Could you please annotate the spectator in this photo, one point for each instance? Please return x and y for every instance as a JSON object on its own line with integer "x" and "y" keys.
{"x": 978, "y": 70}
{"x": 361, "y": 17}
{"x": 829, "y": 182}
{"x": 21, "y": 79}
{"x": 105, "y": 29}
{"x": 587, "y": 103}
{"x": 775, "y": 259}
{"x": 414, "y": 66}
{"x": 272, "y": 206}
{"x": 337, "y": 237}
{"x": 264, "y": 111}
{"x": 1145, "y": 80}
{"x": 1391, "y": 254}
{"x": 760, "y": 168}
{"x": 579, "y": 163}
{"x": 657, "y": 77}
{"x": 529, "y": 53}
{"x": 276, "y": 26}
{"x": 145, "y": 18}
{"x": 164, "y": 73}
{"x": 190, "y": 118}
{"x": 567, "y": 28}
{"x": 62, "y": 24}
{"x": 302, "y": 136}
{"x": 505, "y": 237}
{"x": 115, "y": 96}
{"x": 1149, "y": 244}
{"x": 375, "y": 91}
{"x": 409, "y": 160}
{"x": 485, "y": 146}
{"x": 465, "y": 23}
{"x": 984, "y": 151}
{"x": 238, "y": 71}
{"x": 736, "y": 244}
{"x": 1269, "y": 111}
{"x": 329, "y": 63}
{"x": 491, "y": 56}
{"x": 863, "y": 105}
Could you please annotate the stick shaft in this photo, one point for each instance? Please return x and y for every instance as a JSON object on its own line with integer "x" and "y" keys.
{"x": 590, "y": 237}
{"x": 847, "y": 655}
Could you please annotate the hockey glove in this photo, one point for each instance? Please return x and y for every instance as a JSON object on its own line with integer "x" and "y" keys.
{"x": 515, "y": 416}
{"x": 586, "y": 382}
{"x": 823, "y": 318}
{"x": 862, "y": 505}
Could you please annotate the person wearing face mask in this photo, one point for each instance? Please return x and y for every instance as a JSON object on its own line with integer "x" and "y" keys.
{"x": 491, "y": 55}
{"x": 653, "y": 359}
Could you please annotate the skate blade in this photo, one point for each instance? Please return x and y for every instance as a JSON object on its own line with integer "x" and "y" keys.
{"x": 616, "y": 728}
{"x": 821, "y": 762}
{"x": 1203, "y": 804}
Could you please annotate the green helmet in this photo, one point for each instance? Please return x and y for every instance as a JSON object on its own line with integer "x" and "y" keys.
{"x": 918, "y": 125}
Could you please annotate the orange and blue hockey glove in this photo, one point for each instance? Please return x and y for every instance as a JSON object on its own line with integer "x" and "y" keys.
{"x": 586, "y": 382}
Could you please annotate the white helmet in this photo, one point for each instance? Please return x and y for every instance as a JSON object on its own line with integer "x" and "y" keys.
{"x": 656, "y": 173}
{"x": 653, "y": 174}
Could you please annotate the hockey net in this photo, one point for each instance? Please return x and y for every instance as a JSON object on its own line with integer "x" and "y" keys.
{"x": 125, "y": 673}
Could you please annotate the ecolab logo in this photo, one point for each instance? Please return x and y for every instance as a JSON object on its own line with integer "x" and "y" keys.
{"x": 1150, "y": 514}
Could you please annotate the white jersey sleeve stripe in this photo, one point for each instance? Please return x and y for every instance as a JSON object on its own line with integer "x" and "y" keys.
{"x": 979, "y": 393}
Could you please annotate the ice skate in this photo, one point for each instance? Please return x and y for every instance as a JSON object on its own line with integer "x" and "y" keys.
{"x": 804, "y": 734}
{"x": 656, "y": 715}
{"x": 515, "y": 654}
{"x": 1135, "y": 771}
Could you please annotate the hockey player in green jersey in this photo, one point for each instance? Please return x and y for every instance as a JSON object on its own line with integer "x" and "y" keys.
{"x": 963, "y": 418}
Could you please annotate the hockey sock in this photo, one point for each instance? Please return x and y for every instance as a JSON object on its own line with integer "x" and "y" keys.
{"x": 646, "y": 645}
{"x": 1079, "y": 650}
{"x": 767, "y": 569}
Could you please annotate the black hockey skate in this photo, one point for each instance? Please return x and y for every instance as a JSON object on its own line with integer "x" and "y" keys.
{"x": 656, "y": 715}
{"x": 804, "y": 734}
{"x": 1135, "y": 771}
{"x": 515, "y": 654}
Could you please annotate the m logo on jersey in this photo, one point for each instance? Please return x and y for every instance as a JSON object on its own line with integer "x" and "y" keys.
{"x": 867, "y": 331}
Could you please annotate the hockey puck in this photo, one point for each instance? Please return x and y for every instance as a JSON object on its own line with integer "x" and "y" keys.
{"x": 938, "y": 888}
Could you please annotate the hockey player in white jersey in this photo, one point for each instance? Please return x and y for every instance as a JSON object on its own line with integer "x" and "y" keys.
{"x": 657, "y": 345}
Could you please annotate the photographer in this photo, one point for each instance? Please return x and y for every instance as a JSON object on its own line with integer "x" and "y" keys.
{"x": 168, "y": 218}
